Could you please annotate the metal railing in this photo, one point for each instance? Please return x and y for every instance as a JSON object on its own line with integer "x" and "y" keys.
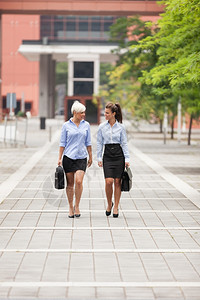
{"x": 9, "y": 133}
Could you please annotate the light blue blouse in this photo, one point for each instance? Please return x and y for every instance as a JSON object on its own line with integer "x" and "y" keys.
{"x": 75, "y": 139}
{"x": 111, "y": 135}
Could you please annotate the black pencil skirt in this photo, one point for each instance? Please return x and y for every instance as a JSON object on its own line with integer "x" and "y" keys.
{"x": 113, "y": 161}
{"x": 73, "y": 165}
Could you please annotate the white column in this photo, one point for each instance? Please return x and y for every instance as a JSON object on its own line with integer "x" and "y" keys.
{"x": 23, "y": 103}
{"x": 51, "y": 106}
{"x": 96, "y": 75}
{"x": 165, "y": 125}
{"x": 184, "y": 125}
{"x": 47, "y": 86}
{"x": 70, "y": 76}
{"x": 44, "y": 85}
{"x": 179, "y": 120}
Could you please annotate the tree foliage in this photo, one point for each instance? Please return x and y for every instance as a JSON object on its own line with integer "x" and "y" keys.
{"x": 158, "y": 64}
{"x": 123, "y": 85}
{"x": 178, "y": 46}
{"x": 177, "y": 43}
{"x": 61, "y": 72}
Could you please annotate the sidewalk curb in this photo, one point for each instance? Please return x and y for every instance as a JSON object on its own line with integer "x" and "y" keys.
{"x": 9, "y": 184}
{"x": 179, "y": 184}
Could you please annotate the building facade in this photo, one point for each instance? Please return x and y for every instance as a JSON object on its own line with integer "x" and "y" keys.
{"x": 32, "y": 44}
{"x": 21, "y": 74}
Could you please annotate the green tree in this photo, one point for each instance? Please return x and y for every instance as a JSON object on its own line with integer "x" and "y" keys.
{"x": 123, "y": 85}
{"x": 177, "y": 45}
{"x": 104, "y": 68}
{"x": 61, "y": 72}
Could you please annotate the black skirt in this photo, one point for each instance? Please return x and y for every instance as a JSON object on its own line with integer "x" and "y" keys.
{"x": 113, "y": 161}
{"x": 73, "y": 165}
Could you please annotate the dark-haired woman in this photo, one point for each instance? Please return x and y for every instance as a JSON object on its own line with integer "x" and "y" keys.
{"x": 112, "y": 137}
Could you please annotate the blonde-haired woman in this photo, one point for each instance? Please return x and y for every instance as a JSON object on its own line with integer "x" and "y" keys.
{"x": 75, "y": 147}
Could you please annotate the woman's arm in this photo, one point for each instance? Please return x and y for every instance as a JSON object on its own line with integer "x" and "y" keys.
{"x": 99, "y": 147}
{"x": 124, "y": 146}
{"x": 63, "y": 139}
{"x": 89, "y": 150}
{"x": 88, "y": 146}
{"x": 61, "y": 149}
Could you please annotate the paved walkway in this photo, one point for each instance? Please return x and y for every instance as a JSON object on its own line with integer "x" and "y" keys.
{"x": 152, "y": 251}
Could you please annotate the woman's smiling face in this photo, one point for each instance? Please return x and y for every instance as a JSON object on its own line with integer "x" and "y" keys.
{"x": 108, "y": 114}
{"x": 80, "y": 115}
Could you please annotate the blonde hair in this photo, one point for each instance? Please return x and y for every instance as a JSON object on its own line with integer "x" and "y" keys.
{"x": 77, "y": 107}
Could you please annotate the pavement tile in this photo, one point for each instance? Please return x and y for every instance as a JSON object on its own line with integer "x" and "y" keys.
{"x": 168, "y": 293}
{"x": 40, "y": 239}
{"x": 52, "y": 292}
{"x": 156, "y": 267}
{"x": 183, "y": 239}
{"x": 191, "y": 293}
{"x": 5, "y": 238}
{"x": 31, "y": 267}
{"x": 4, "y": 292}
{"x": 26, "y": 292}
{"x": 110, "y": 293}
{"x": 61, "y": 239}
{"x": 143, "y": 239}
{"x": 83, "y": 292}
{"x": 20, "y": 239}
{"x": 9, "y": 265}
{"x": 138, "y": 293}
{"x": 56, "y": 263}
{"x": 182, "y": 269}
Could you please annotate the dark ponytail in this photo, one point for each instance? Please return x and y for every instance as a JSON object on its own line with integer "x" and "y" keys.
{"x": 117, "y": 109}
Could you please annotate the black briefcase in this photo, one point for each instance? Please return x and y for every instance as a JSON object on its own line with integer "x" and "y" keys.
{"x": 59, "y": 178}
{"x": 126, "y": 183}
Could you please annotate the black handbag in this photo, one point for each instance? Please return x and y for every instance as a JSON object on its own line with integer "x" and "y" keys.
{"x": 126, "y": 183}
{"x": 59, "y": 178}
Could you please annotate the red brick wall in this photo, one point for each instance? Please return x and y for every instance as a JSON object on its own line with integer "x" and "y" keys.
{"x": 18, "y": 74}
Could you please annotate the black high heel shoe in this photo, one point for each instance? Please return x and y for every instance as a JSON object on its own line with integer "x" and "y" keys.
{"x": 108, "y": 213}
{"x": 116, "y": 215}
{"x": 71, "y": 216}
{"x": 77, "y": 215}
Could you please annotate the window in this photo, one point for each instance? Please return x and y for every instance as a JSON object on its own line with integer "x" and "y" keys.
{"x": 83, "y": 69}
{"x": 74, "y": 27}
{"x": 107, "y": 26}
{"x": 83, "y": 30}
{"x": 83, "y": 26}
{"x": 71, "y": 26}
{"x": 58, "y": 29}
{"x": 83, "y": 88}
{"x": 96, "y": 26}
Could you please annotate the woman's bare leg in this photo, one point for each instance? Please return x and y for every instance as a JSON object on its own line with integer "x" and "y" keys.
{"x": 70, "y": 191}
{"x": 117, "y": 194}
{"x": 109, "y": 192}
{"x": 79, "y": 175}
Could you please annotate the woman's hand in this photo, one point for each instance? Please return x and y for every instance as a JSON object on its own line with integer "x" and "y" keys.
{"x": 61, "y": 149}
{"x": 100, "y": 164}
{"x": 89, "y": 162}
{"x": 127, "y": 164}
{"x": 60, "y": 162}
